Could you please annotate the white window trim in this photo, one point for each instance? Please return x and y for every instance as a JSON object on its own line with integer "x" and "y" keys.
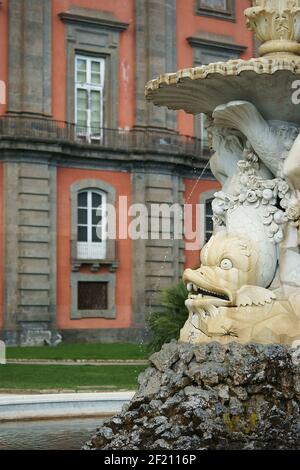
{"x": 89, "y": 87}
{"x": 93, "y": 250}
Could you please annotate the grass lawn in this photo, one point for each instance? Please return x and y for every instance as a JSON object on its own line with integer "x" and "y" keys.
{"x": 38, "y": 377}
{"x": 80, "y": 351}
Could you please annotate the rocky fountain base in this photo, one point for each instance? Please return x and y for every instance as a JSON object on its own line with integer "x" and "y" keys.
{"x": 211, "y": 397}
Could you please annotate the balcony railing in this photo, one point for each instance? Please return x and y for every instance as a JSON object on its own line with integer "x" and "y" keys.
{"x": 134, "y": 140}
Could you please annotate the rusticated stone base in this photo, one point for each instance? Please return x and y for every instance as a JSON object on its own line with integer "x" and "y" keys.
{"x": 211, "y": 397}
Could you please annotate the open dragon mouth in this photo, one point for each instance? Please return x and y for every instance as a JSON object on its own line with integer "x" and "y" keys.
{"x": 201, "y": 292}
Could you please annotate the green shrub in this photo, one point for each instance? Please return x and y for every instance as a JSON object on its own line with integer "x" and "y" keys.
{"x": 166, "y": 324}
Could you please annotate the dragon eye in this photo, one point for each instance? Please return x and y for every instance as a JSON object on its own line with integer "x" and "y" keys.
{"x": 226, "y": 264}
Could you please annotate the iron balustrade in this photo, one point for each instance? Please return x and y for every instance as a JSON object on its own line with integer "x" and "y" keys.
{"x": 133, "y": 140}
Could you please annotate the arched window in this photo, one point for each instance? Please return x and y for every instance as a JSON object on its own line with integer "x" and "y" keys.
{"x": 91, "y": 224}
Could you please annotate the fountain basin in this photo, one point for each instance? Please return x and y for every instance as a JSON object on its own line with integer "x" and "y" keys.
{"x": 261, "y": 81}
{"x": 64, "y": 405}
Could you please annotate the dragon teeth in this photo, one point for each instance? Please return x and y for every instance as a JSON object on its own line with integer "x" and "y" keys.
{"x": 189, "y": 287}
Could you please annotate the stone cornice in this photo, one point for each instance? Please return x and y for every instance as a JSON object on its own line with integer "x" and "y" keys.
{"x": 197, "y": 41}
{"x": 85, "y": 19}
{"x": 83, "y": 156}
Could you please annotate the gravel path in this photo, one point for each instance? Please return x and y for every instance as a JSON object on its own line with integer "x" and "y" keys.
{"x": 77, "y": 362}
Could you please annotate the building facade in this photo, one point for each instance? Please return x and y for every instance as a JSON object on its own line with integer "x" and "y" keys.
{"x": 77, "y": 136}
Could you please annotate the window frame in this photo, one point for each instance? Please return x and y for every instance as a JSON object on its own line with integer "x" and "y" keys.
{"x": 91, "y": 247}
{"x": 204, "y": 198}
{"x": 110, "y": 191}
{"x": 228, "y": 15}
{"x": 110, "y": 312}
{"x": 206, "y": 216}
{"x": 204, "y": 48}
{"x": 97, "y": 290}
{"x": 88, "y": 32}
{"x": 200, "y": 131}
{"x": 89, "y": 87}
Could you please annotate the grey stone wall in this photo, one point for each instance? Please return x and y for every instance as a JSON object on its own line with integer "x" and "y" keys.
{"x": 157, "y": 263}
{"x": 29, "y": 56}
{"x": 30, "y": 247}
{"x": 105, "y": 335}
{"x": 155, "y": 54}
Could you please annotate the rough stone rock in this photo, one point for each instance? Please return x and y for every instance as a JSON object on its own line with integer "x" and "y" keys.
{"x": 210, "y": 397}
{"x": 166, "y": 357}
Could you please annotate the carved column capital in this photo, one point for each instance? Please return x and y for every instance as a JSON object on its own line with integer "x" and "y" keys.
{"x": 277, "y": 24}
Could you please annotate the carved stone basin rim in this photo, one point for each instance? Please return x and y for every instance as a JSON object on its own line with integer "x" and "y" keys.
{"x": 202, "y": 89}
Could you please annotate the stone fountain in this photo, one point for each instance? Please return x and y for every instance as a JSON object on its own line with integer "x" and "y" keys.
{"x": 233, "y": 381}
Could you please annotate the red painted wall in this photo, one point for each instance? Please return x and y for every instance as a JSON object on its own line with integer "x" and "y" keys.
{"x": 193, "y": 190}
{"x": 1, "y": 247}
{"x": 123, "y": 11}
{"x": 189, "y": 24}
{"x": 4, "y": 50}
{"x": 121, "y": 181}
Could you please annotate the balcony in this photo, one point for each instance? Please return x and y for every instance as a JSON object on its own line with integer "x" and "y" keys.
{"x": 117, "y": 140}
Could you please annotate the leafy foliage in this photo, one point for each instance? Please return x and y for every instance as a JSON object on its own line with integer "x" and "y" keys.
{"x": 166, "y": 324}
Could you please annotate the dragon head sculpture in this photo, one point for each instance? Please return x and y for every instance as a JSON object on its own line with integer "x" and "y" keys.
{"x": 229, "y": 299}
{"x": 229, "y": 275}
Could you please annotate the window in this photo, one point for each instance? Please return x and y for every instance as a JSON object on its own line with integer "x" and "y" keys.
{"x": 219, "y": 8}
{"x": 89, "y": 76}
{"x": 91, "y": 36}
{"x": 92, "y": 295}
{"x": 200, "y": 130}
{"x": 91, "y": 224}
{"x": 206, "y": 215}
{"x": 88, "y": 195}
{"x": 207, "y": 51}
{"x": 208, "y": 222}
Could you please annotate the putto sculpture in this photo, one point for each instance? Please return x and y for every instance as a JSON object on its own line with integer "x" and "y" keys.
{"x": 247, "y": 288}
